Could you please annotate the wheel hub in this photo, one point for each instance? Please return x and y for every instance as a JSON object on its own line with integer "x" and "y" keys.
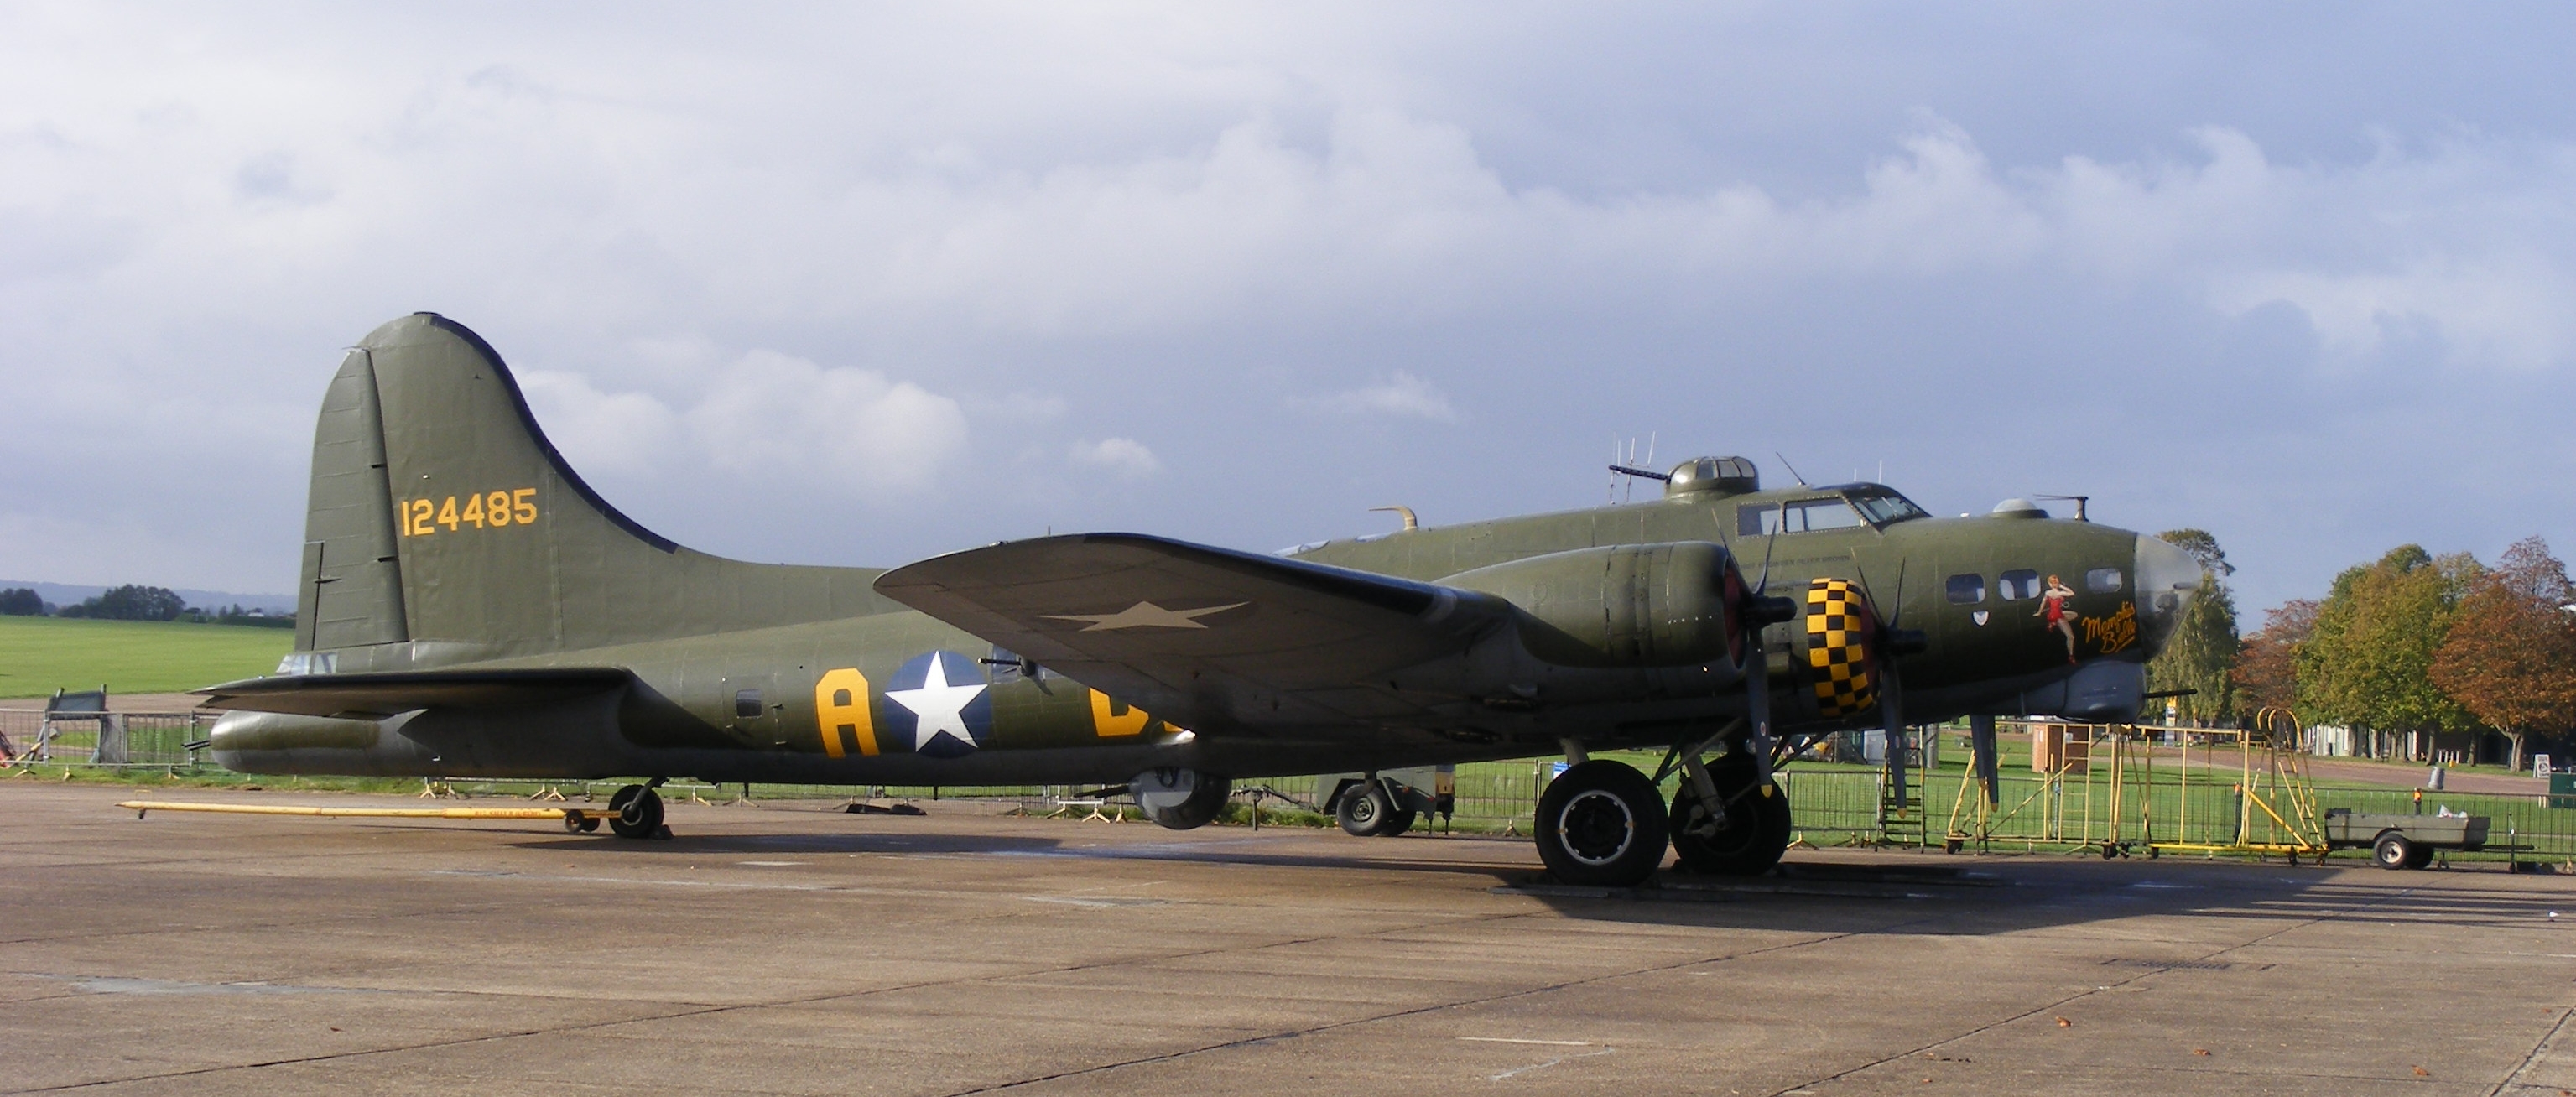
{"x": 1597, "y": 827}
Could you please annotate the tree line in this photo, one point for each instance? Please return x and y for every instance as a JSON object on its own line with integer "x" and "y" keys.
{"x": 136, "y": 603}
{"x": 2418, "y": 654}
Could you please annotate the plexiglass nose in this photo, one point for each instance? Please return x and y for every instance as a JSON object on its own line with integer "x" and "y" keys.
{"x": 2168, "y": 577}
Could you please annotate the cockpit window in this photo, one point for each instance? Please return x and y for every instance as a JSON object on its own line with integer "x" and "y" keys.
{"x": 1800, "y": 516}
{"x": 1882, "y": 506}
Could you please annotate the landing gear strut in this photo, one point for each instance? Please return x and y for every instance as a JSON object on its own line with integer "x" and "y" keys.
{"x": 1747, "y": 833}
{"x": 636, "y": 812}
{"x": 1601, "y": 823}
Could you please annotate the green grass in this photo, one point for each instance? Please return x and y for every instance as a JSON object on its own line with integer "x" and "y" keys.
{"x": 41, "y": 654}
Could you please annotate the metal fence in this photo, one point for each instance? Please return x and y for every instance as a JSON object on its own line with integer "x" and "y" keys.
{"x": 1831, "y": 804}
{"x": 156, "y": 739}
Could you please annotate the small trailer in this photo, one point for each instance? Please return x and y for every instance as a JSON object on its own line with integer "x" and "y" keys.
{"x": 1389, "y": 808}
{"x": 2404, "y": 841}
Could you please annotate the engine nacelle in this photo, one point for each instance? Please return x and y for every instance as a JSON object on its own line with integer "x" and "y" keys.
{"x": 1660, "y": 605}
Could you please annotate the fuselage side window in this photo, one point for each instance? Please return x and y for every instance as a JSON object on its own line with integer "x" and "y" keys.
{"x": 2102, "y": 580}
{"x": 2017, "y": 586}
{"x": 1967, "y": 590}
{"x": 1756, "y": 519}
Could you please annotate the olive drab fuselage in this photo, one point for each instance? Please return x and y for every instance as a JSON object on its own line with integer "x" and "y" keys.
{"x": 446, "y": 534}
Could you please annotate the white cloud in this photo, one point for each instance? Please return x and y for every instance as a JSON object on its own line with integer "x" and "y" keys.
{"x": 618, "y": 433}
{"x": 944, "y": 217}
{"x": 2510, "y": 315}
{"x": 1124, "y": 456}
{"x": 1402, "y": 395}
{"x": 769, "y": 412}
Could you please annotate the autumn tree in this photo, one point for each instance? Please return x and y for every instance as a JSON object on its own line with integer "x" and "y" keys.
{"x": 2203, "y": 647}
{"x": 2368, "y": 662}
{"x": 2509, "y": 656}
{"x": 2264, "y": 676}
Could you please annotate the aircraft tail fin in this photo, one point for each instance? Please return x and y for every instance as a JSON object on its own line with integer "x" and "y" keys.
{"x": 441, "y": 518}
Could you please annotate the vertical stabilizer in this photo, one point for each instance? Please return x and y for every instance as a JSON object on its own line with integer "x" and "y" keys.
{"x": 445, "y": 525}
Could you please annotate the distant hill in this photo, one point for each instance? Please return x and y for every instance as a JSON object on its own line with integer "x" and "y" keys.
{"x": 68, "y": 594}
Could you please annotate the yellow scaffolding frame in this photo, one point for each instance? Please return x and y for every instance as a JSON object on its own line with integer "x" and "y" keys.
{"x": 2111, "y": 805}
{"x": 2275, "y": 803}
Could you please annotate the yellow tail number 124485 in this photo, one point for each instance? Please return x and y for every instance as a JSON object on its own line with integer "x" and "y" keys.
{"x": 482, "y": 510}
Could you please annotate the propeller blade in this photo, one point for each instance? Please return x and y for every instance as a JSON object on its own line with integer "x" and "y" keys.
{"x": 1763, "y": 585}
{"x": 1982, "y": 749}
{"x": 1755, "y": 613}
{"x": 1757, "y": 703}
{"x": 1892, "y": 717}
{"x": 1899, "y": 614}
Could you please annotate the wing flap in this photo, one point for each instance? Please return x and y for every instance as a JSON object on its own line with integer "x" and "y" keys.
{"x": 386, "y": 693}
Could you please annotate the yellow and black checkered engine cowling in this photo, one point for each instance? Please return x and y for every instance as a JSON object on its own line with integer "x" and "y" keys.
{"x": 1842, "y": 640}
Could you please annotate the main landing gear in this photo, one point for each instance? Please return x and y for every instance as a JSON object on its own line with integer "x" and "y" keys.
{"x": 1745, "y": 833}
{"x": 634, "y": 812}
{"x": 1603, "y": 823}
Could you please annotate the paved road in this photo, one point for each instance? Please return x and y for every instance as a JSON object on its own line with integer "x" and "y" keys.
{"x": 2412, "y": 776}
{"x": 783, "y": 950}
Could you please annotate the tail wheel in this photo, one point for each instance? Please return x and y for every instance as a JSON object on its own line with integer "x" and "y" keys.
{"x": 1745, "y": 837}
{"x": 1601, "y": 823}
{"x": 635, "y": 812}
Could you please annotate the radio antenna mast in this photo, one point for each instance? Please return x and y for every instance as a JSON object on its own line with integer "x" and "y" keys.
{"x": 1793, "y": 469}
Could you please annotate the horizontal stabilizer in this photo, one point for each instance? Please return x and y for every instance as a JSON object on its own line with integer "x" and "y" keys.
{"x": 387, "y": 693}
{"x": 1208, "y": 638}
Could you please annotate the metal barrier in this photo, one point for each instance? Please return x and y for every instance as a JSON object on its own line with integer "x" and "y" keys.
{"x": 2157, "y": 803}
{"x": 158, "y": 740}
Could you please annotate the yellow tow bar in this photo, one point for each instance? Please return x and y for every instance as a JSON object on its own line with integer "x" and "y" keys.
{"x": 573, "y": 817}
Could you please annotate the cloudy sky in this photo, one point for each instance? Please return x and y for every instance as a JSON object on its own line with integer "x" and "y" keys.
{"x": 844, "y": 284}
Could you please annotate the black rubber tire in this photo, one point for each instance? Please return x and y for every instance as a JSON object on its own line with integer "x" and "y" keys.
{"x": 2392, "y": 851}
{"x": 1757, "y": 831}
{"x": 1363, "y": 809}
{"x": 573, "y": 820}
{"x": 1601, "y": 824}
{"x": 638, "y": 812}
{"x": 2420, "y": 857}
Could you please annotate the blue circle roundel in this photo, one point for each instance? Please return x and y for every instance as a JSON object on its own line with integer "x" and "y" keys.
{"x": 942, "y": 704}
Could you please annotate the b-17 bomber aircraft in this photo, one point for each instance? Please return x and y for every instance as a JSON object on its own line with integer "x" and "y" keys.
{"x": 469, "y": 608}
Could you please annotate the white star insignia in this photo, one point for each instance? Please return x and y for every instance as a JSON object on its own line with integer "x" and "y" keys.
{"x": 939, "y": 708}
{"x": 1142, "y": 615}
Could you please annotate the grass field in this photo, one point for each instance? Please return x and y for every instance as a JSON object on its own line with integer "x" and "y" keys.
{"x": 40, "y": 654}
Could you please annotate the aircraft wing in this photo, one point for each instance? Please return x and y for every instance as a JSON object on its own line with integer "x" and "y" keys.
{"x": 389, "y": 692}
{"x": 1207, "y": 638}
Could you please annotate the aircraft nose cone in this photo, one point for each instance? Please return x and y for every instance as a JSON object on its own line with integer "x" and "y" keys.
{"x": 2167, "y": 579}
